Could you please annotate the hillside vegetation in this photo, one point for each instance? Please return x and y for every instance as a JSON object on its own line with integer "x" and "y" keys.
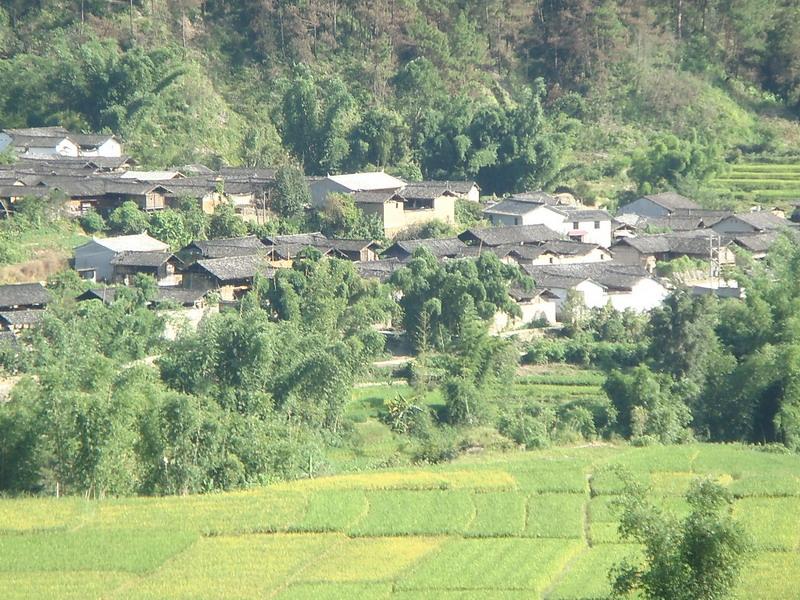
{"x": 540, "y": 524}
{"x": 600, "y": 96}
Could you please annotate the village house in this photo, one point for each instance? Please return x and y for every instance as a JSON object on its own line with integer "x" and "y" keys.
{"x": 466, "y": 190}
{"x": 222, "y": 248}
{"x": 535, "y": 305}
{"x": 94, "y": 259}
{"x": 582, "y": 224}
{"x": 750, "y": 222}
{"x": 22, "y": 305}
{"x": 351, "y": 183}
{"x": 646, "y": 251}
{"x": 379, "y": 269}
{"x": 658, "y": 205}
{"x": 161, "y": 265}
{"x": 39, "y": 141}
{"x": 559, "y": 252}
{"x": 57, "y": 142}
{"x": 232, "y": 277}
{"x": 403, "y": 250}
{"x": 598, "y": 284}
{"x": 23, "y": 296}
{"x": 502, "y": 236}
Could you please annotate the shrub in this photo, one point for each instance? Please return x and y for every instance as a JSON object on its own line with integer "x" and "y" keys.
{"x": 92, "y": 222}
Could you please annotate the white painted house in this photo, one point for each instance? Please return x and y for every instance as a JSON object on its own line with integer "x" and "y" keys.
{"x": 591, "y": 226}
{"x": 599, "y": 284}
{"x": 93, "y": 260}
{"x": 42, "y": 142}
{"x": 39, "y": 142}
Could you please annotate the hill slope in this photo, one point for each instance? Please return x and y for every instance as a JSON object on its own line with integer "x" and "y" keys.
{"x": 534, "y": 524}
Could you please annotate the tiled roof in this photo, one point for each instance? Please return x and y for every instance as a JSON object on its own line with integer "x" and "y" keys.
{"x": 23, "y": 294}
{"x": 141, "y": 259}
{"x": 516, "y": 234}
{"x": 672, "y": 201}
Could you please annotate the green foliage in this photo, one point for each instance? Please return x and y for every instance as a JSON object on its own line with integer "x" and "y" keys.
{"x": 92, "y": 222}
{"x": 226, "y": 223}
{"x": 465, "y": 287}
{"x": 291, "y": 194}
{"x": 128, "y": 219}
{"x": 668, "y": 160}
{"x": 341, "y": 218}
{"x": 697, "y": 558}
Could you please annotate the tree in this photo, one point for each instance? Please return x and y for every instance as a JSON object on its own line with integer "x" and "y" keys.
{"x": 128, "y": 219}
{"x": 169, "y": 226}
{"x": 649, "y": 405}
{"x": 698, "y": 558}
{"x": 226, "y": 223}
{"x": 292, "y": 194}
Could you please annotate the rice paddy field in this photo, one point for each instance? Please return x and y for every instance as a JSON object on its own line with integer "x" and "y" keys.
{"x": 760, "y": 183}
{"x": 521, "y": 525}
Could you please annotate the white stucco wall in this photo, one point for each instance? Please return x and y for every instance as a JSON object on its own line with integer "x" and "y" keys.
{"x": 645, "y": 295}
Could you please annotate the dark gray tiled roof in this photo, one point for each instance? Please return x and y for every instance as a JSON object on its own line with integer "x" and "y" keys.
{"x": 235, "y": 268}
{"x": 609, "y": 275}
{"x": 761, "y": 220}
{"x": 511, "y": 207}
{"x": 182, "y": 296}
{"x": 22, "y": 317}
{"x": 672, "y": 201}
{"x": 516, "y": 234}
{"x": 689, "y": 243}
{"x": 141, "y": 259}
{"x": 225, "y": 247}
{"x": 378, "y": 269}
{"x": 579, "y": 213}
{"x": 378, "y": 197}
{"x": 536, "y": 196}
{"x": 23, "y": 294}
{"x": 440, "y": 248}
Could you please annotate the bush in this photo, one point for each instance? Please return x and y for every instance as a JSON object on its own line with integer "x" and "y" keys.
{"x": 545, "y": 350}
{"x": 92, "y": 222}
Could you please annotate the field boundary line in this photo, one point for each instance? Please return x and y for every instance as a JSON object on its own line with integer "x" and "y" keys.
{"x": 291, "y": 578}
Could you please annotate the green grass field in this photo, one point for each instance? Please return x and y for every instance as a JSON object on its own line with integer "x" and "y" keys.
{"x": 754, "y": 183}
{"x": 522, "y": 525}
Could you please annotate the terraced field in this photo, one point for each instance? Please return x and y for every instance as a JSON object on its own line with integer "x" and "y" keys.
{"x": 527, "y": 525}
{"x": 766, "y": 183}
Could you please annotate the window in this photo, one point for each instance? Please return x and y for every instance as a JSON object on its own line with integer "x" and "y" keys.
{"x": 516, "y": 221}
{"x": 597, "y": 224}
{"x": 575, "y": 224}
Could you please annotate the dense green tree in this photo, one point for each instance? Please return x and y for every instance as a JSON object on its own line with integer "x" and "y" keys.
{"x": 697, "y": 558}
{"x": 128, "y": 219}
{"x": 292, "y": 194}
{"x": 226, "y": 223}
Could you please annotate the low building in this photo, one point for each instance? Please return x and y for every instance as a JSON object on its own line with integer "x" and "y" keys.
{"x": 93, "y": 260}
{"x": 403, "y": 250}
{"x": 23, "y": 296}
{"x": 599, "y": 284}
{"x": 232, "y": 277}
{"x": 19, "y": 320}
{"x": 351, "y": 183}
{"x": 647, "y": 250}
{"x": 161, "y": 265}
{"x": 516, "y": 235}
{"x": 750, "y": 222}
{"x": 535, "y": 305}
{"x": 659, "y": 205}
{"x": 379, "y": 269}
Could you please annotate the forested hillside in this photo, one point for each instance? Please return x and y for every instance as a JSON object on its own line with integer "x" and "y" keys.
{"x": 596, "y": 95}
